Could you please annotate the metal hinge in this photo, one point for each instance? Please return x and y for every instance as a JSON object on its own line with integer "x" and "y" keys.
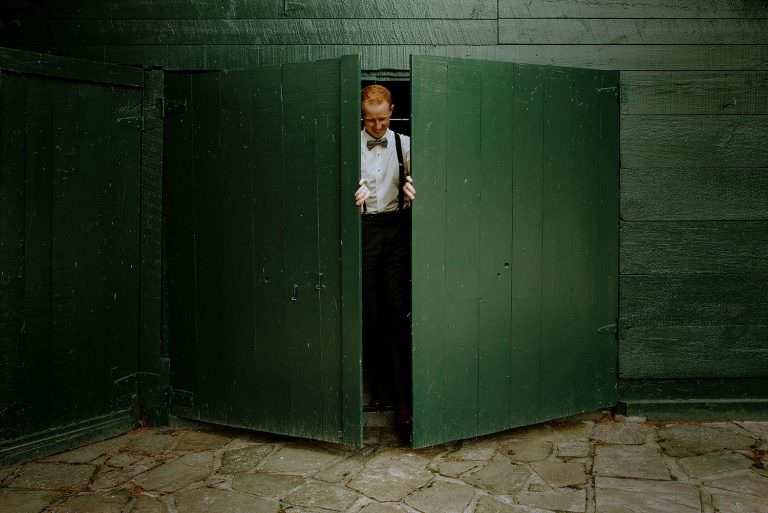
{"x": 130, "y": 122}
{"x": 166, "y": 106}
{"x": 182, "y": 397}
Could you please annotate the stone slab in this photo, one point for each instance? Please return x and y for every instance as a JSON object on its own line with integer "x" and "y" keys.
{"x": 749, "y": 483}
{"x": 345, "y": 468}
{"x": 707, "y": 465}
{"x": 244, "y": 459}
{"x": 266, "y": 485}
{"x": 577, "y": 449}
{"x": 111, "y": 502}
{"x": 558, "y": 475}
{"x": 177, "y": 474}
{"x": 53, "y": 476}
{"x": 683, "y": 440}
{"x": 642, "y": 496}
{"x": 565, "y": 499}
{"x": 487, "y": 504}
{"x": 376, "y": 507}
{"x": 322, "y": 495}
{"x": 628, "y": 433}
{"x": 108, "y": 478}
{"x": 89, "y": 452}
{"x": 392, "y": 474}
{"x": 441, "y": 497}
{"x": 151, "y": 441}
{"x": 759, "y": 429}
{"x": 300, "y": 459}
{"x": 634, "y": 461}
{"x": 526, "y": 450}
{"x": 25, "y": 501}
{"x": 210, "y": 500}
{"x": 738, "y": 504}
{"x": 201, "y": 441}
{"x": 451, "y": 468}
{"x": 475, "y": 450}
{"x": 501, "y": 476}
{"x": 148, "y": 505}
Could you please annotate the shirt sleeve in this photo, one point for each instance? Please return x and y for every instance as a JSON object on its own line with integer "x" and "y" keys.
{"x": 405, "y": 143}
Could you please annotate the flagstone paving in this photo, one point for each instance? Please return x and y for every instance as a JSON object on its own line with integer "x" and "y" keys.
{"x": 604, "y": 465}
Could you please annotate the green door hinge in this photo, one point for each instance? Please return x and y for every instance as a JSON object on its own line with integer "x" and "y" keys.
{"x": 183, "y": 398}
{"x": 607, "y": 329}
{"x": 130, "y": 122}
{"x": 166, "y": 106}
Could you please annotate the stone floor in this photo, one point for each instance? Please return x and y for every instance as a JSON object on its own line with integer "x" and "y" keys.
{"x": 606, "y": 466}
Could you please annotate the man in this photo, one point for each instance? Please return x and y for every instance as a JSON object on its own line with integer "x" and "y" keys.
{"x": 384, "y": 197}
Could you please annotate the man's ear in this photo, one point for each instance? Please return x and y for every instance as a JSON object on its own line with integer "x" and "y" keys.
{"x": 391, "y": 108}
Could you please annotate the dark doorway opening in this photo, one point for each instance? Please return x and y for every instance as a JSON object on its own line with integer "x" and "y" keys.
{"x": 381, "y": 388}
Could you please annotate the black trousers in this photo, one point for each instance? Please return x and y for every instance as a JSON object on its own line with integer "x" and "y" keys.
{"x": 386, "y": 255}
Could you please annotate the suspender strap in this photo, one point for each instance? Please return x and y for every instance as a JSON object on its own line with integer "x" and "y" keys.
{"x": 401, "y": 168}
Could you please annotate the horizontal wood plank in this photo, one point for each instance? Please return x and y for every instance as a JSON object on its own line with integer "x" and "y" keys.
{"x": 633, "y": 9}
{"x": 694, "y": 92}
{"x": 70, "y": 68}
{"x": 693, "y": 299}
{"x": 682, "y": 141}
{"x": 694, "y": 247}
{"x": 611, "y": 57}
{"x": 633, "y": 31}
{"x": 694, "y": 352}
{"x": 260, "y": 32}
{"x": 243, "y": 9}
{"x": 693, "y": 388}
{"x": 657, "y": 194}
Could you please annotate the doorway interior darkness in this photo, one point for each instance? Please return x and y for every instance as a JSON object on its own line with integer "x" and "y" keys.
{"x": 400, "y": 86}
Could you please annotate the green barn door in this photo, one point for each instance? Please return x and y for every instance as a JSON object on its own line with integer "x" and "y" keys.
{"x": 515, "y": 245}
{"x": 263, "y": 248}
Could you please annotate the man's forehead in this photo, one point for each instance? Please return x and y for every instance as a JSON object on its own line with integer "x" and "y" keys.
{"x": 378, "y": 107}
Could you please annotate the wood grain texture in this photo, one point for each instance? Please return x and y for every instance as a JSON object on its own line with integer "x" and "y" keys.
{"x": 694, "y": 141}
{"x": 634, "y": 31}
{"x": 693, "y": 299}
{"x": 694, "y": 352}
{"x": 694, "y": 92}
{"x": 677, "y": 194}
{"x": 242, "y": 9}
{"x": 76, "y": 69}
{"x": 514, "y": 342}
{"x": 694, "y": 247}
{"x": 608, "y": 57}
{"x": 251, "y": 31}
{"x": 632, "y": 9}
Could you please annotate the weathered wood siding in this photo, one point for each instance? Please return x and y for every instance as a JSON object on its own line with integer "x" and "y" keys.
{"x": 694, "y": 176}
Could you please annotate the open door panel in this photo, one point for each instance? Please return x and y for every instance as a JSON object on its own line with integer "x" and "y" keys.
{"x": 263, "y": 258}
{"x": 515, "y": 245}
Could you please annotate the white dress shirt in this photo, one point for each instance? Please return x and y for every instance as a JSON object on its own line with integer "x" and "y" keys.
{"x": 380, "y": 173}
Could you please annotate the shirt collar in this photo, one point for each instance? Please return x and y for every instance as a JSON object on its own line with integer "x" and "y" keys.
{"x": 388, "y": 135}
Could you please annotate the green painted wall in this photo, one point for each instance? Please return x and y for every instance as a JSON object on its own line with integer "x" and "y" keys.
{"x": 694, "y": 121}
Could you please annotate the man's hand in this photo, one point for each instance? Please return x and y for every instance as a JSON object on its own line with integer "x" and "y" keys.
{"x": 408, "y": 189}
{"x": 361, "y": 195}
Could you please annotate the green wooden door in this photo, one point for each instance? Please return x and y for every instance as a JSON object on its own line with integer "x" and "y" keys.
{"x": 263, "y": 248}
{"x": 515, "y": 245}
{"x": 70, "y": 255}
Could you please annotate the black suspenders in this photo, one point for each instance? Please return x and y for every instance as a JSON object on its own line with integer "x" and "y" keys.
{"x": 401, "y": 168}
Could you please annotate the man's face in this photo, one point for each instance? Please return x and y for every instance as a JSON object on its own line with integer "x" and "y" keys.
{"x": 376, "y": 118}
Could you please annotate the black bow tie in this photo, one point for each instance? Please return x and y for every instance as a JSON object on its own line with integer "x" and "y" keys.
{"x": 377, "y": 142}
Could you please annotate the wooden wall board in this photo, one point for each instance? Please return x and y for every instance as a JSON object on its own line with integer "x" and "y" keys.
{"x": 694, "y": 141}
{"x": 634, "y": 31}
{"x": 694, "y": 193}
{"x": 694, "y": 92}
{"x": 253, "y": 31}
{"x": 248, "y": 9}
{"x": 717, "y": 351}
{"x": 658, "y": 247}
{"x": 693, "y": 299}
{"x": 608, "y": 57}
{"x": 632, "y": 9}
